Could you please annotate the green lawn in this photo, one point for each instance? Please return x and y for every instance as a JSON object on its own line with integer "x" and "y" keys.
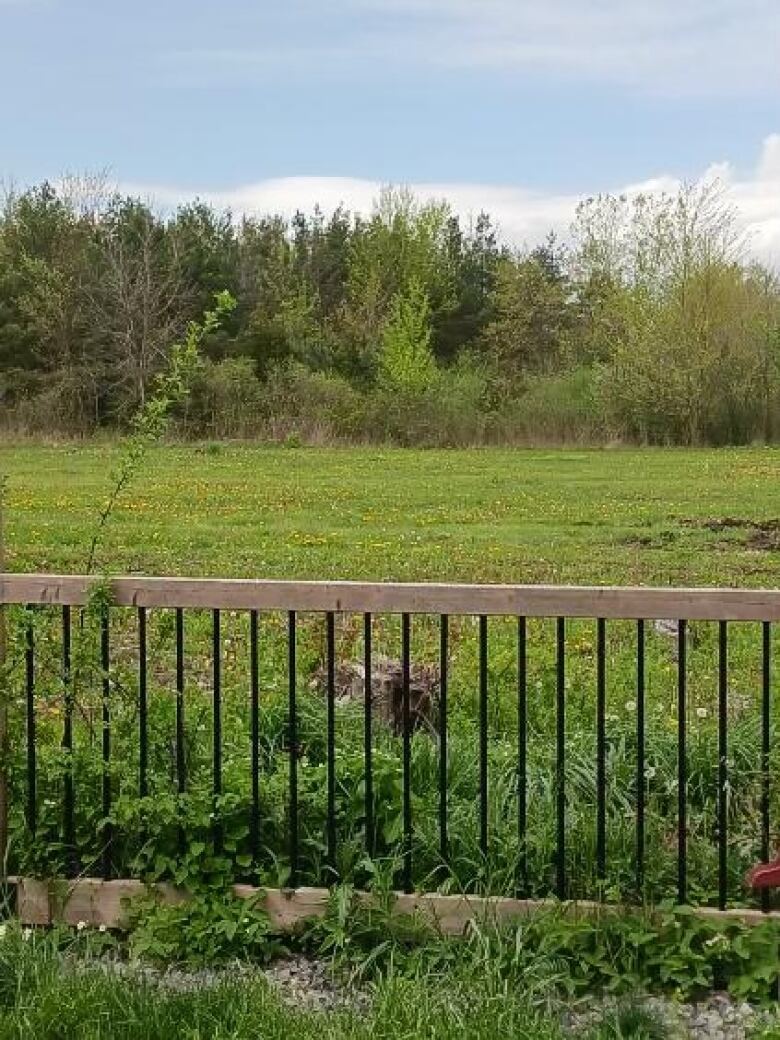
{"x": 622, "y": 516}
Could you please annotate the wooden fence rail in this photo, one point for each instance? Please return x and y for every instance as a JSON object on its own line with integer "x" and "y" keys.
{"x": 698, "y": 604}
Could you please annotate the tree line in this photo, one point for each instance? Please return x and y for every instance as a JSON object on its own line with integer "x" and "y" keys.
{"x": 408, "y": 325}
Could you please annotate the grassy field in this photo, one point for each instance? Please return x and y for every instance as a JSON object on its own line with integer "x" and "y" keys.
{"x": 650, "y": 517}
{"x": 624, "y": 516}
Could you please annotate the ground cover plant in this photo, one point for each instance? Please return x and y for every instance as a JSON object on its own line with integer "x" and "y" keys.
{"x": 552, "y": 975}
{"x": 479, "y": 515}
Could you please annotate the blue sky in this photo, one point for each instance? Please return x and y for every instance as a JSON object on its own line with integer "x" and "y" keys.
{"x": 530, "y": 102}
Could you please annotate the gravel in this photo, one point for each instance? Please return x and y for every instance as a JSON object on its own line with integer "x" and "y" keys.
{"x": 309, "y": 983}
{"x": 303, "y": 981}
{"x": 300, "y": 981}
{"x": 719, "y": 1017}
{"x": 306, "y": 982}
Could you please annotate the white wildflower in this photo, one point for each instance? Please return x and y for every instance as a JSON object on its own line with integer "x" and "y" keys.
{"x": 27, "y": 934}
{"x": 702, "y": 713}
{"x": 717, "y": 940}
{"x": 102, "y": 928}
{"x": 631, "y": 706}
{"x": 81, "y": 926}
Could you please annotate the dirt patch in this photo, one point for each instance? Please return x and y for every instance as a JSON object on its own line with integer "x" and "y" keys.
{"x": 765, "y": 541}
{"x": 759, "y": 535}
{"x": 657, "y": 540}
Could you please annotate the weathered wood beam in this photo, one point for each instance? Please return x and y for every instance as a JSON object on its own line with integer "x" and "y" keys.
{"x": 97, "y": 902}
{"x": 704, "y": 604}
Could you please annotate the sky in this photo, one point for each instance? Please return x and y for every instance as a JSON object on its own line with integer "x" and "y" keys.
{"x": 518, "y": 107}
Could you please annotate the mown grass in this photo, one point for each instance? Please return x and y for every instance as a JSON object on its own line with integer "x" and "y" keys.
{"x": 624, "y": 516}
{"x": 566, "y": 516}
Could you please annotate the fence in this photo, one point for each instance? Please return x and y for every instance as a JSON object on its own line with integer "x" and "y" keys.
{"x": 521, "y": 604}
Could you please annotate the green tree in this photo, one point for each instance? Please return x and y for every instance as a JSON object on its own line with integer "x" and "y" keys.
{"x": 407, "y": 362}
{"x": 48, "y": 267}
{"x": 686, "y": 344}
{"x": 533, "y": 313}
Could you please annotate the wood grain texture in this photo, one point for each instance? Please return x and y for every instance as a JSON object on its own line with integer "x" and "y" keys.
{"x": 705, "y": 604}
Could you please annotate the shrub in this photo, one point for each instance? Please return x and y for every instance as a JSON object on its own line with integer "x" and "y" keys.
{"x": 449, "y": 412}
{"x": 226, "y": 400}
{"x": 561, "y": 408}
{"x": 315, "y": 406}
{"x": 58, "y": 404}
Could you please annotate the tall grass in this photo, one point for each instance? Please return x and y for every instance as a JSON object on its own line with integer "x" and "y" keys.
{"x": 54, "y": 995}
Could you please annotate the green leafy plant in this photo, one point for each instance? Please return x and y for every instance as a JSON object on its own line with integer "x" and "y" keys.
{"x": 208, "y": 928}
{"x": 672, "y": 951}
{"x": 367, "y": 934}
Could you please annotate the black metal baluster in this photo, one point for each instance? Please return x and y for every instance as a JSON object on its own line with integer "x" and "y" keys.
{"x": 407, "y": 751}
{"x": 560, "y": 766}
{"x": 254, "y": 709}
{"x": 723, "y": 775}
{"x": 444, "y": 653}
{"x": 766, "y": 664}
{"x": 105, "y": 665}
{"x": 522, "y": 755}
{"x": 601, "y": 750}
{"x": 682, "y": 767}
{"x": 368, "y": 737}
{"x": 217, "y": 727}
{"x": 69, "y": 800}
{"x": 181, "y": 762}
{"x": 483, "y": 735}
{"x": 293, "y": 741}
{"x": 330, "y": 637}
{"x": 29, "y": 659}
{"x": 640, "y": 756}
{"x": 143, "y": 708}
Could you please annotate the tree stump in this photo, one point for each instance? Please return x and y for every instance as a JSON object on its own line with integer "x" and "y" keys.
{"x": 387, "y": 691}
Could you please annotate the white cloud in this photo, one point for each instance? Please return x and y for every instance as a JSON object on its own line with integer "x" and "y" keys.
{"x": 677, "y": 47}
{"x": 524, "y": 216}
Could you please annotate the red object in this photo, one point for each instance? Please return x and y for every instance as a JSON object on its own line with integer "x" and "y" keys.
{"x": 765, "y": 875}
